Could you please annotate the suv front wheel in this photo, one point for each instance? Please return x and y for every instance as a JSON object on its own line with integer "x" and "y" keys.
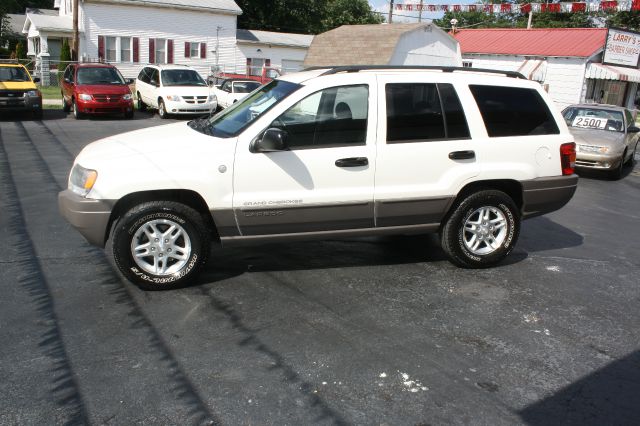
{"x": 161, "y": 244}
{"x": 482, "y": 230}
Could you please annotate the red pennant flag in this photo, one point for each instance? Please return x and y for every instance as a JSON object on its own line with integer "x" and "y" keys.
{"x": 608, "y": 5}
{"x": 554, "y": 7}
{"x": 635, "y": 5}
{"x": 505, "y": 7}
{"x": 457, "y": 8}
{"x": 432, "y": 8}
{"x": 398, "y": 6}
{"x": 444, "y": 8}
{"x": 408, "y": 7}
{"x": 525, "y": 8}
{"x": 488, "y": 8}
{"x": 581, "y": 7}
{"x": 472, "y": 7}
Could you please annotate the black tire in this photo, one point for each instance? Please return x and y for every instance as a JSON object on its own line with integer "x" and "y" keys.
{"x": 632, "y": 159}
{"x": 131, "y": 226}
{"x": 616, "y": 174}
{"x": 453, "y": 235}
{"x": 141, "y": 105}
{"x": 36, "y": 114}
{"x": 65, "y": 106}
{"x": 162, "y": 110}
{"x": 129, "y": 115}
{"x": 76, "y": 114}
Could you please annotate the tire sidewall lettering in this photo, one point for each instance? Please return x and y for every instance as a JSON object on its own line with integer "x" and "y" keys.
{"x": 153, "y": 216}
{"x": 505, "y": 245}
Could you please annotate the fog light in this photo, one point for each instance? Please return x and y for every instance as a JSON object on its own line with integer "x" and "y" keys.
{"x": 174, "y": 110}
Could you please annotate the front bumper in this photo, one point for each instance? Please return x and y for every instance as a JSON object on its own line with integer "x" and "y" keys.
{"x": 90, "y": 217}
{"x": 547, "y": 194}
{"x": 182, "y": 107}
{"x": 19, "y": 103}
{"x": 598, "y": 161}
{"x": 107, "y": 107}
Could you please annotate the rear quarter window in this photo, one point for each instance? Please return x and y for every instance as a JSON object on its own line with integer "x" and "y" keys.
{"x": 513, "y": 111}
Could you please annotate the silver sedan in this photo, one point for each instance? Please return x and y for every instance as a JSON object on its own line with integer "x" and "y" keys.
{"x": 606, "y": 136}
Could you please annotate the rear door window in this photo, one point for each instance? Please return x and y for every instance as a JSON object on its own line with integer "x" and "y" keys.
{"x": 513, "y": 111}
{"x": 419, "y": 112}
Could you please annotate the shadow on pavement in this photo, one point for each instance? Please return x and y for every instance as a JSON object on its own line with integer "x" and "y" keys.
{"x": 609, "y": 396}
{"x": 541, "y": 234}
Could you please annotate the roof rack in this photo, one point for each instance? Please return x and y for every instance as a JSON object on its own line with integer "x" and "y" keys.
{"x": 357, "y": 68}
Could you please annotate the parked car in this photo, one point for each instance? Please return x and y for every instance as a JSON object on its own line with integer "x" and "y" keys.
{"x": 18, "y": 91}
{"x": 328, "y": 153}
{"x": 606, "y": 136}
{"x": 231, "y": 91}
{"x": 95, "y": 89}
{"x": 174, "y": 89}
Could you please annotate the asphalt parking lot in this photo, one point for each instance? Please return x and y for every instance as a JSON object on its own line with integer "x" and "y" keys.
{"x": 377, "y": 331}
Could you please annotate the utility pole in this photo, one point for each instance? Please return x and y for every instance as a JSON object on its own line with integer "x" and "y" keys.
{"x": 75, "y": 45}
{"x": 390, "y": 12}
{"x": 420, "y": 11}
{"x": 530, "y": 18}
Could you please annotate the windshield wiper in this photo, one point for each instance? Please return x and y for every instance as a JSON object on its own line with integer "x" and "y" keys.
{"x": 201, "y": 125}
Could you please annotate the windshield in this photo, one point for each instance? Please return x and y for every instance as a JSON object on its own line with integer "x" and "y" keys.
{"x": 245, "y": 86}
{"x": 13, "y": 74}
{"x": 237, "y": 117}
{"x": 102, "y": 75}
{"x": 594, "y": 118}
{"x": 181, "y": 78}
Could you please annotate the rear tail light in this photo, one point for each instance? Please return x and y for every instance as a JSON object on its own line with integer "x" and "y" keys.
{"x": 568, "y": 158}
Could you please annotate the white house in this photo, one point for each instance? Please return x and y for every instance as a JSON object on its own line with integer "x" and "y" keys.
{"x": 130, "y": 33}
{"x": 567, "y": 61}
{"x": 384, "y": 44}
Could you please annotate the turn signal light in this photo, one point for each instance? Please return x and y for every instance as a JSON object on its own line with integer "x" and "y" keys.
{"x": 568, "y": 158}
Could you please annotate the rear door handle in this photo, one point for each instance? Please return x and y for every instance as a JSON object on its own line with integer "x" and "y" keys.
{"x": 462, "y": 155}
{"x": 352, "y": 162}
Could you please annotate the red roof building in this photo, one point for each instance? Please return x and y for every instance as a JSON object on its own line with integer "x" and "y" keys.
{"x": 567, "y": 61}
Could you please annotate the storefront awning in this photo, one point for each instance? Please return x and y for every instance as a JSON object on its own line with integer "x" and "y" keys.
{"x": 609, "y": 72}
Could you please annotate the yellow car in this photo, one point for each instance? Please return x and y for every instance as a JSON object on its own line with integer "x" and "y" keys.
{"x": 18, "y": 91}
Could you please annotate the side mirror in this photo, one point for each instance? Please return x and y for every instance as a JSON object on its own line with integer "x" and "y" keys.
{"x": 36, "y": 79}
{"x": 66, "y": 80}
{"x": 633, "y": 129}
{"x": 271, "y": 141}
{"x": 129, "y": 81}
{"x": 154, "y": 83}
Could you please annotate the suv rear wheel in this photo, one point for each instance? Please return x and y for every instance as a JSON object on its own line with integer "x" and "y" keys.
{"x": 482, "y": 230}
{"x": 141, "y": 105}
{"x": 161, "y": 244}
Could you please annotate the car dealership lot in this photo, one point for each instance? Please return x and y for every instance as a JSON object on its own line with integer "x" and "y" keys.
{"x": 353, "y": 331}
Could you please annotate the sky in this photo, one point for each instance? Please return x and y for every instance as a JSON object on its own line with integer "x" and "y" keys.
{"x": 404, "y": 16}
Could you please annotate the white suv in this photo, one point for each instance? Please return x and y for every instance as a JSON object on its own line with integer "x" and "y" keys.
{"x": 328, "y": 153}
{"x": 174, "y": 89}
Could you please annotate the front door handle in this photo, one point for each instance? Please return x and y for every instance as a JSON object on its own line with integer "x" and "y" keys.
{"x": 462, "y": 155}
{"x": 352, "y": 162}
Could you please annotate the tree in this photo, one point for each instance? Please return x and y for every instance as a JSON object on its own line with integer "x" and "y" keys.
{"x": 20, "y": 6}
{"x": 304, "y": 16}
{"x": 20, "y": 53}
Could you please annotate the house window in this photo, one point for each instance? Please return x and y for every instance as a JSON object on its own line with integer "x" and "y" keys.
{"x": 161, "y": 51}
{"x": 256, "y": 66}
{"x": 194, "y": 50}
{"x": 125, "y": 49}
{"x": 112, "y": 50}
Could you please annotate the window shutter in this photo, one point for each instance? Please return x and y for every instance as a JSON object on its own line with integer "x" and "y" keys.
{"x": 203, "y": 50}
{"x": 136, "y": 49}
{"x": 248, "y": 66}
{"x": 152, "y": 51}
{"x": 101, "y": 47}
{"x": 187, "y": 49}
{"x": 169, "y": 51}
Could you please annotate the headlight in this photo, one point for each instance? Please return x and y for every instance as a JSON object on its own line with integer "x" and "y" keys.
{"x": 33, "y": 94}
{"x": 82, "y": 180}
{"x": 213, "y": 98}
{"x": 593, "y": 148}
{"x": 174, "y": 98}
{"x": 127, "y": 97}
{"x": 84, "y": 97}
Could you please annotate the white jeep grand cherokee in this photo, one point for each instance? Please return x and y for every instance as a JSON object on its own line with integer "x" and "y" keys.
{"x": 330, "y": 152}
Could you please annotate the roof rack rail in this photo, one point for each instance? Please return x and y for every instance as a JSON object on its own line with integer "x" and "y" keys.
{"x": 357, "y": 68}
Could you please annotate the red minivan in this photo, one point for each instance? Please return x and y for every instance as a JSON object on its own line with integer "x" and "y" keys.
{"x": 94, "y": 88}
